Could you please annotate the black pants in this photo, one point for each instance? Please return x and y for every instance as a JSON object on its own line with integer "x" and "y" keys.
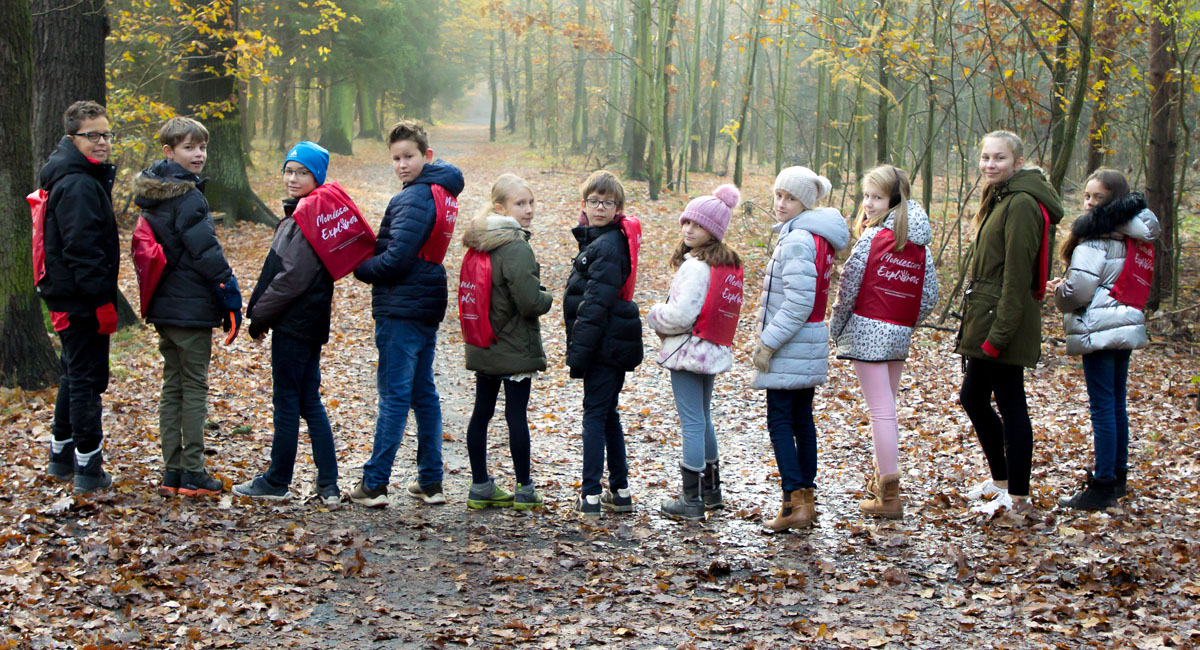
{"x": 1006, "y": 437}
{"x": 516, "y": 401}
{"x": 84, "y": 363}
{"x": 603, "y": 437}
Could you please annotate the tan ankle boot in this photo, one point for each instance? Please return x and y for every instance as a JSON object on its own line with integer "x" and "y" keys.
{"x": 782, "y": 521}
{"x": 804, "y": 508}
{"x": 885, "y": 498}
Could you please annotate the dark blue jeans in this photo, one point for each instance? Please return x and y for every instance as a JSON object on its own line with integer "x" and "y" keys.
{"x": 296, "y": 373}
{"x": 602, "y": 430}
{"x": 84, "y": 364}
{"x": 1106, "y": 372}
{"x": 405, "y": 380}
{"x": 794, "y": 437}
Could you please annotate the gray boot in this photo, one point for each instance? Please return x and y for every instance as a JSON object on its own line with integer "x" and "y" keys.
{"x": 688, "y": 505}
{"x": 712, "y": 486}
{"x": 91, "y": 476}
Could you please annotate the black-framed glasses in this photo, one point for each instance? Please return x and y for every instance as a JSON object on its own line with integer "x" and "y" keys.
{"x": 595, "y": 203}
{"x": 95, "y": 136}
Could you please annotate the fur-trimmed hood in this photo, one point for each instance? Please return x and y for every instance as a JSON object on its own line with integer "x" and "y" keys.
{"x": 488, "y": 232}
{"x": 163, "y": 181}
{"x": 1109, "y": 218}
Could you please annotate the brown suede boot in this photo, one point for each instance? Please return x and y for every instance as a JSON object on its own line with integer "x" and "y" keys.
{"x": 782, "y": 521}
{"x": 885, "y": 498}
{"x": 804, "y": 508}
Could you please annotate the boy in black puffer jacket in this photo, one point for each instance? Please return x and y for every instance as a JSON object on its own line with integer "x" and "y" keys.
{"x": 197, "y": 292}
{"x": 604, "y": 336}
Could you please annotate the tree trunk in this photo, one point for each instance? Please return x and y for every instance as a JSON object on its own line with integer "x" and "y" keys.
{"x": 304, "y": 99}
{"x": 1160, "y": 159}
{"x": 530, "y": 117}
{"x": 338, "y": 126}
{"x": 746, "y": 92}
{"x": 884, "y": 105}
{"x": 714, "y": 107}
{"x": 68, "y": 59}
{"x": 492, "y": 89}
{"x": 283, "y": 109}
{"x": 248, "y": 106}
{"x": 614, "y": 77}
{"x": 228, "y": 189}
{"x": 27, "y": 359}
{"x": 640, "y": 111}
{"x": 659, "y": 135}
{"x": 578, "y": 134}
{"x": 551, "y": 89}
{"x": 510, "y": 104}
{"x": 1061, "y": 157}
{"x": 691, "y": 120}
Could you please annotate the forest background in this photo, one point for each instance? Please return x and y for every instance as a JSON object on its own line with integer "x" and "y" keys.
{"x": 676, "y": 96}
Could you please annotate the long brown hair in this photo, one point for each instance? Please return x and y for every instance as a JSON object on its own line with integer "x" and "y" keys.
{"x": 1118, "y": 188}
{"x": 893, "y": 182}
{"x": 713, "y": 253}
{"x": 1016, "y": 147}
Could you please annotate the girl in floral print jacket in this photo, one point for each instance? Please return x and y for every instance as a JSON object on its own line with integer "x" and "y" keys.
{"x": 888, "y": 285}
{"x": 697, "y": 324}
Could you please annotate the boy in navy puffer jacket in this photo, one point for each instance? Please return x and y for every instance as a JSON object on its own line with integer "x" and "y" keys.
{"x": 408, "y": 301}
{"x": 198, "y": 291}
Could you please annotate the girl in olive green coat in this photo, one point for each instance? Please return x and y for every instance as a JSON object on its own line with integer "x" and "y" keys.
{"x": 514, "y": 354}
{"x": 1001, "y": 331}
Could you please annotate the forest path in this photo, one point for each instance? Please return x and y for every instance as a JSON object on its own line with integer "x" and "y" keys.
{"x": 129, "y": 567}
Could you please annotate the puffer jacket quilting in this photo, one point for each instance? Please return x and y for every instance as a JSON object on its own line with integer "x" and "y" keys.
{"x": 173, "y": 203}
{"x": 602, "y": 329}
{"x": 675, "y": 319}
{"x": 1092, "y": 318}
{"x": 404, "y": 285}
{"x": 517, "y": 299}
{"x": 865, "y": 339}
{"x": 294, "y": 291}
{"x": 787, "y": 299}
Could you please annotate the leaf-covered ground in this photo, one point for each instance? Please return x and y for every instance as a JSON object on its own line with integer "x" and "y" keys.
{"x": 127, "y": 568}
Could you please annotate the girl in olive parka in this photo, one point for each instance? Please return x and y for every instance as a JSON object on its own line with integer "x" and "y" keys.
{"x": 517, "y": 300}
{"x": 1001, "y": 332}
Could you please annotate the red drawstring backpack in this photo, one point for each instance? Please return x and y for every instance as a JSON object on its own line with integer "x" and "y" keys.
{"x": 446, "y": 206}
{"x": 37, "y": 206}
{"x": 633, "y": 233}
{"x": 149, "y": 261}
{"x": 335, "y": 228}
{"x": 475, "y": 299}
{"x": 1132, "y": 287}
{"x": 824, "y": 263}
{"x": 718, "y": 318}
{"x": 891, "y": 287}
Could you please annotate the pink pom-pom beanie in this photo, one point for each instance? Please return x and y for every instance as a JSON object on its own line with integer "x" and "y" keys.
{"x": 712, "y": 213}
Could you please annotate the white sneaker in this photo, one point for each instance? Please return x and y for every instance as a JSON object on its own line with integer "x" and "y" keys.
{"x": 989, "y": 508}
{"x": 984, "y": 490}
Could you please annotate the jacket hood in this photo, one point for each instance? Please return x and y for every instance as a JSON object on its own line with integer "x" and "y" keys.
{"x": 440, "y": 172}
{"x": 919, "y": 231}
{"x": 1033, "y": 181}
{"x": 1109, "y": 218}
{"x": 488, "y": 232}
{"x": 825, "y": 222}
{"x": 67, "y": 159}
{"x": 163, "y": 181}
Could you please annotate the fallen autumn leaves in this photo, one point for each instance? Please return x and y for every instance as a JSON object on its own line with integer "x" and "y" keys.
{"x": 131, "y": 569}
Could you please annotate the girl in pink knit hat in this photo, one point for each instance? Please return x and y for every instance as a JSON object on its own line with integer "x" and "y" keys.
{"x": 697, "y": 324}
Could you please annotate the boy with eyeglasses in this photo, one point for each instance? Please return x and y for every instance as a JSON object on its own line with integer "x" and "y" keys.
{"x": 197, "y": 292}
{"x": 604, "y": 335}
{"x": 79, "y": 285}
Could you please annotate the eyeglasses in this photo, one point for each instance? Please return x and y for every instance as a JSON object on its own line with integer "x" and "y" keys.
{"x": 96, "y": 136}
{"x": 595, "y": 203}
{"x": 297, "y": 173}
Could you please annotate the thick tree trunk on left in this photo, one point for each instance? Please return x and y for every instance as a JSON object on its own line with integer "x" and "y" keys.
{"x": 228, "y": 189}
{"x": 27, "y": 359}
{"x": 1162, "y": 148}
{"x": 337, "y": 127}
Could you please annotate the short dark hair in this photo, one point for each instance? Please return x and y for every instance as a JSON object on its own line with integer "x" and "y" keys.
{"x": 179, "y": 129}
{"x": 604, "y": 182}
{"x": 409, "y": 130}
{"x": 78, "y": 112}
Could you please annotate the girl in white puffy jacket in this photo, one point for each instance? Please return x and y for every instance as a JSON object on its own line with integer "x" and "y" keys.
{"x": 887, "y": 286}
{"x": 697, "y": 324}
{"x": 1110, "y": 251}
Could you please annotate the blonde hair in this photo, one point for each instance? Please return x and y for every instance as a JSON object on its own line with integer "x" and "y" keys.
{"x": 1016, "y": 147}
{"x": 893, "y": 182}
{"x": 503, "y": 189}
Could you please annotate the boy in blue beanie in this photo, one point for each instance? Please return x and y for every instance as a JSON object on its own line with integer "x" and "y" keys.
{"x": 294, "y": 297}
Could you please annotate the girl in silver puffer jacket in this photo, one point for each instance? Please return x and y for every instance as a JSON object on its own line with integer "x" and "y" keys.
{"x": 1110, "y": 253}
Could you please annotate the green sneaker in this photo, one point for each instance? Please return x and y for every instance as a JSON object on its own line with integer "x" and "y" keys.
{"x": 487, "y": 495}
{"x": 527, "y": 498}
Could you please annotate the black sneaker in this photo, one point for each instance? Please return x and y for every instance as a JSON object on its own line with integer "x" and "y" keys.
{"x": 588, "y": 505}
{"x": 258, "y": 489}
{"x": 62, "y": 464}
{"x": 91, "y": 477}
{"x": 329, "y": 495}
{"x": 619, "y": 501}
{"x": 170, "y": 483}
{"x": 364, "y": 496}
{"x": 431, "y": 493}
{"x": 194, "y": 484}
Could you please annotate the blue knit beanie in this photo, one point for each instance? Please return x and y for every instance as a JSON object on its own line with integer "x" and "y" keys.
{"x": 311, "y": 155}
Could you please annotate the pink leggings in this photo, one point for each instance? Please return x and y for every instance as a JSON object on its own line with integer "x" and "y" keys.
{"x": 880, "y": 383}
